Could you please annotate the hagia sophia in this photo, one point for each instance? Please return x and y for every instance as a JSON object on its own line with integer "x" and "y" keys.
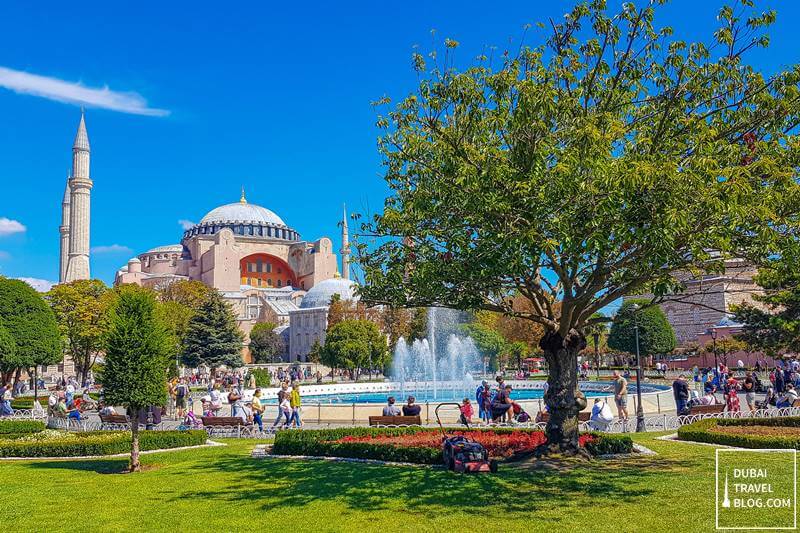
{"x": 260, "y": 264}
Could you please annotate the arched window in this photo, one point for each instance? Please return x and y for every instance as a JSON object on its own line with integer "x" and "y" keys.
{"x": 279, "y": 283}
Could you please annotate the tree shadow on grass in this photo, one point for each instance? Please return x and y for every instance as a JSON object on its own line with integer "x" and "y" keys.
{"x": 99, "y": 466}
{"x": 276, "y": 483}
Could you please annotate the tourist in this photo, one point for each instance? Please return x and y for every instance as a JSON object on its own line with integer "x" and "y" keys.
{"x": 680, "y": 391}
{"x": 251, "y": 381}
{"x": 779, "y": 381}
{"x": 283, "y": 394}
{"x": 621, "y": 395}
{"x": 481, "y": 398}
{"x": 5, "y": 400}
{"x": 749, "y": 388}
{"x": 466, "y": 412}
{"x": 285, "y": 410}
{"x": 411, "y": 408}
{"x": 107, "y": 410}
{"x": 237, "y": 407}
{"x": 502, "y": 408}
{"x": 601, "y": 415}
{"x": 295, "y": 403}
{"x": 731, "y": 396}
{"x": 391, "y": 409}
{"x": 181, "y": 391}
{"x": 70, "y": 391}
{"x": 699, "y": 379}
{"x": 770, "y": 399}
{"x": 789, "y": 397}
{"x": 215, "y": 397}
{"x": 258, "y": 409}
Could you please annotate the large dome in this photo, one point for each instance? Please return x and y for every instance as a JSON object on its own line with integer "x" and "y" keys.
{"x": 320, "y": 294}
{"x": 244, "y": 213}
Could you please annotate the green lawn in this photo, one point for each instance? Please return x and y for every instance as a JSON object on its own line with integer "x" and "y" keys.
{"x": 222, "y": 489}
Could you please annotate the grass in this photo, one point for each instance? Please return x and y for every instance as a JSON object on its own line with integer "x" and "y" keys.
{"x": 224, "y": 489}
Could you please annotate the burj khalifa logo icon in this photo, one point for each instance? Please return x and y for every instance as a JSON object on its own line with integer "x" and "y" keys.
{"x": 726, "y": 502}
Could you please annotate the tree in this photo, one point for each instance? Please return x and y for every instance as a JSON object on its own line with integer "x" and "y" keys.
{"x": 489, "y": 342}
{"x": 355, "y": 345}
{"x": 656, "y": 335}
{"x": 266, "y": 346}
{"x": 30, "y": 322}
{"x": 775, "y": 327}
{"x": 724, "y": 347}
{"x": 596, "y": 165}
{"x": 212, "y": 336}
{"x": 315, "y": 354}
{"x": 181, "y": 300}
{"x": 137, "y": 353}
{"x": 81, "y": 309}
{"x": 394, "y": 322}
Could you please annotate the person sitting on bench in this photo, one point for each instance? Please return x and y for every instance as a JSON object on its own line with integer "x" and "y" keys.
{"x": 502, "y": 406}
{"x": 391, "y": 409}
{"x": 411, "y": 408}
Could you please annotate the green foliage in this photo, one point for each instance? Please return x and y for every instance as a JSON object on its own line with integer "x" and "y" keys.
{"x": 81, "y": 309}
{"x": 355, "y": 345}
{"x": 137, "y": 350}
{"x": 213, "y": 338}
{"x": 99, "y": 443}
{"x": 597, "y": 164}
{"x": 776, "y": 326}
{"x": 180, "y": 301}
{"x": 656, "y": 335}
{"x": 322, "y": 443}
{"x": 704, "y": 431}
{"x": 28, "y": 320}
{"x": 263, "y": 377}
{"x": 21, "y": 426}
{"x": 489, "y": 342}
{"x": 266, "y": 346}
{"x": 419, "y": 324}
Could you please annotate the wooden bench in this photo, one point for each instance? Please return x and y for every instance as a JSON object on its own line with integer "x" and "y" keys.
{"x": 115, "y": 419}
{"x": 583, "y": 416}
{"x": 395, "y": 421}
{"x": 707, "y": 409}
{"x": 796, "y": 403}
{"x": 222, "y": 421}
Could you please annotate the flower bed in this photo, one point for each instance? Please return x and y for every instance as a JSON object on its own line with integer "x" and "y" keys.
{"x": 423, "y": 445}
{"x": 76, "y": 444}
{"x": 745, "y": 432}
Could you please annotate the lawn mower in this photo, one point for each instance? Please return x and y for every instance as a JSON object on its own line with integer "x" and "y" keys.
{"x": 462, "y": 454}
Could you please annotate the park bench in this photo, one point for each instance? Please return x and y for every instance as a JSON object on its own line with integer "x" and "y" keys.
{"x": 114, "y": 420}
{"x": 796, "y": 403}
{"x": 225, "y": 424}
{"x": 395, "y": 421}
{"x": 583, "y": 416}
{"x": 707, "y": 409}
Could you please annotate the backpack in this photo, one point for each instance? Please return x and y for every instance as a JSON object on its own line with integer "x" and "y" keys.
{"x": 180, "y": 392}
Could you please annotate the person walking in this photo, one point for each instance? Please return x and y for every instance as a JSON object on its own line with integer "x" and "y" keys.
{"x": 258, "y": 409}
{"x": 283, "y": 394}
{"x": 749, "y": 388}
{"x": 731, "y": 396}
{"x": 181, "y": 391}
{"x": 295, "y": 404}
{"x": 621, "y": 395}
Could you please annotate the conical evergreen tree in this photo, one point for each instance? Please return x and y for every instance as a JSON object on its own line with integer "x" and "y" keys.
{"x": 213, "y": 338}
{"x": 137, "y": 349}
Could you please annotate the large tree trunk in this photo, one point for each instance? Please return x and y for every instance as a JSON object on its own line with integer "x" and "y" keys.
{"x": 135, "y": 466}
{"x": 563, "y": 398}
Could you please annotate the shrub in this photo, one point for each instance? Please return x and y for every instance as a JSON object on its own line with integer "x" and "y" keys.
{"x": 99, "y": 443}
{"x": 20, "y": 426}
{"x": 332, "y": 443}
{"x": 263, "y": 377}
{"x": 703, "y": 431}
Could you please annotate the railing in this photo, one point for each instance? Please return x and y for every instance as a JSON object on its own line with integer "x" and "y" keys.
{"x": 26, "y": 414}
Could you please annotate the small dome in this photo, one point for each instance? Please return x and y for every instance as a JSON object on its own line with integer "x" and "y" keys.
{"x": 320, "y": 294}
{"x": 134, "y": 260}
{"x": 242, "y": 212}
{"x": 728, "y": 322}
{"x": 169, "y": 248}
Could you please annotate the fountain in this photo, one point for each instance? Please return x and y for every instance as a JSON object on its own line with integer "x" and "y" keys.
{"x": 445, "y": 358}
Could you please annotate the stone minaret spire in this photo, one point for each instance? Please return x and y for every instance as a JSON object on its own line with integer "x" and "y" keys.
{"x": 63, "y": 229}
{"x": 79, "y": 216}
{"x": 345, "y": 246}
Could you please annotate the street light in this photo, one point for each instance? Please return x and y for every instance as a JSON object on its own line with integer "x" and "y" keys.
{"x": 714, "y": 342}
{"x": 639, "y": 409}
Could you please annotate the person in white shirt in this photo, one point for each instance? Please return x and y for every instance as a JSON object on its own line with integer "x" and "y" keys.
{"x": 601, "y": 415}
{"x": 391, "y": 409}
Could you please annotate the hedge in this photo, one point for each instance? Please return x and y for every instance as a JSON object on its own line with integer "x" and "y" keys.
{"x": 703, "y": 431}
{"x": 100, "y": 443}
{"x": 8, "y": 427}
{"x": 323, "y": 443}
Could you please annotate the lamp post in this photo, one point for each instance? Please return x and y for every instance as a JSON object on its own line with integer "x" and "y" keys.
{"x": 714, "y": 344}
{"x": 596, "y": 337}
{"x": 639, "y": 409}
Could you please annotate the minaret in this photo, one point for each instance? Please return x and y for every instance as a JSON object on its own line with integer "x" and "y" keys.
{"x": 345, "y": 246}
{"x": 63, "y": 229}
{"x": 79, "y": 216}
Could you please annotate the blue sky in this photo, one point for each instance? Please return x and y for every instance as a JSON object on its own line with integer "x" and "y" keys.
{"x": 205, "y": 97}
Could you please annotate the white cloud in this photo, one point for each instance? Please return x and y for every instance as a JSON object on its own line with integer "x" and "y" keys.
{"x": 41, "y": 285}
{"x": 111, "y": 249}
{"x": 76, "y": 93}
{"x": 9, "y": 227}
{"x": 185, "y": 224}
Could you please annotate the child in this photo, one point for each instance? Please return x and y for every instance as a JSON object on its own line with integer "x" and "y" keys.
{"x": 286, "y": 409}
{"x": 466, "y": 412}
